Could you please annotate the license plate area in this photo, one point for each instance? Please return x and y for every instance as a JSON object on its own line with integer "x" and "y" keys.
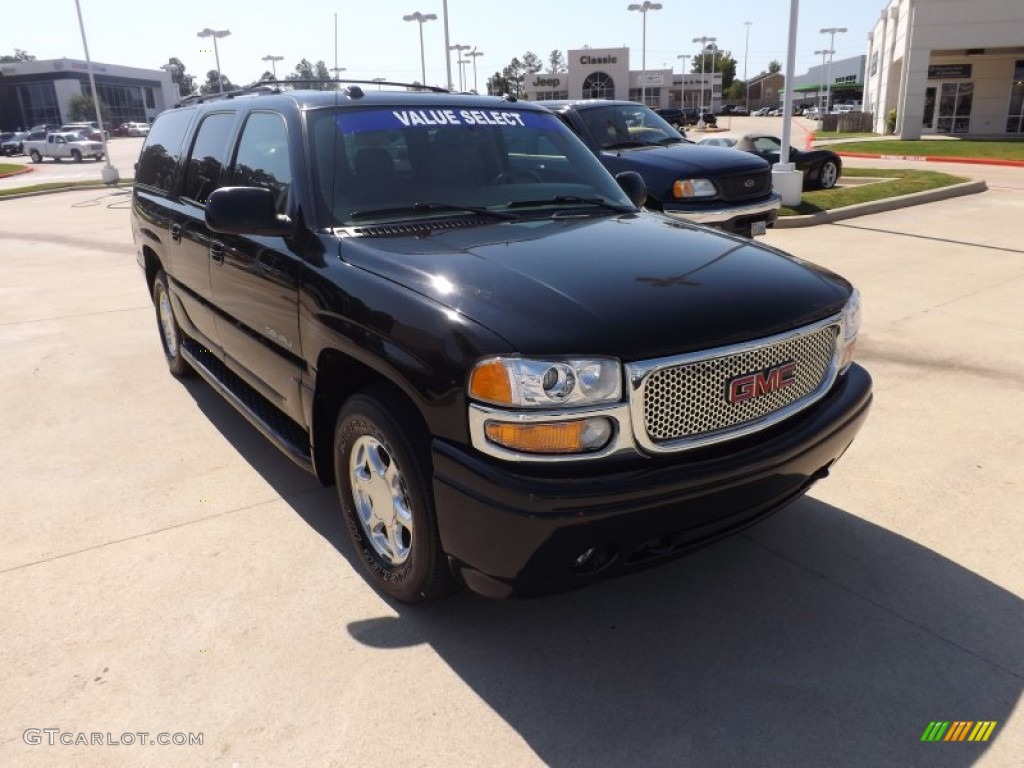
{"x": 758, "y": 228}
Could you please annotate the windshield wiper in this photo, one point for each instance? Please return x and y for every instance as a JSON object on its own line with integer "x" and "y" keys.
{"x": 673, "y": 140}
{"x": 572, "y": 200}
{"x": 431, "y": 208}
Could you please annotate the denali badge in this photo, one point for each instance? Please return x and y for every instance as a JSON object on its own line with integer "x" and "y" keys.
{"x": 750, "y": 385}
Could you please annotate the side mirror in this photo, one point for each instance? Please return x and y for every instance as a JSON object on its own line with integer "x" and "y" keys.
{"x": 245, "y": 211}
{"x": 633, "y": 185}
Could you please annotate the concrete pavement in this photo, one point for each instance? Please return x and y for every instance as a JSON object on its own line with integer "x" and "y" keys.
{"x": 165, "y": 570}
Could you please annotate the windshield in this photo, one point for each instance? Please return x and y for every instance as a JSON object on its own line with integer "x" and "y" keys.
{"x": 628, "y": 125}
{"x": 399, "y": 162}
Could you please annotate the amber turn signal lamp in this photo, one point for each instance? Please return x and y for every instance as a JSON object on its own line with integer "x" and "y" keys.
{"x": 490, "y": 382}
{"x": 552, "y": 437}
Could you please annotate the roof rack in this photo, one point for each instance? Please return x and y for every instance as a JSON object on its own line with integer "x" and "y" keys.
{"x": 272, "y": 86}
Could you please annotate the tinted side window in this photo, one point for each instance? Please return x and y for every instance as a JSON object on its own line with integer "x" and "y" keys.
{"x": 163, "y": 148}
{"x": 262, "y": 157}
{"x": 209, "y": 153}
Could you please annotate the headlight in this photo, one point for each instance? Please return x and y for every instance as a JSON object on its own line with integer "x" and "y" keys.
{"x": 525, "y": 383}
{"x": 684, "y": 188}
{"x": 849, "y": 327}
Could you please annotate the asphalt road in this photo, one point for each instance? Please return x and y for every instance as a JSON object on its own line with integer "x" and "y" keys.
{"x": 124, "y": 152}
{"x": 163, "y": 569}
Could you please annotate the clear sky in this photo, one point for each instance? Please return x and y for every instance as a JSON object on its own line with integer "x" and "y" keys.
{"x": 374, "y": 41}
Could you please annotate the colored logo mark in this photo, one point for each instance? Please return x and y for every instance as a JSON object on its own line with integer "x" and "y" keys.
{"x": 958, "y": 730}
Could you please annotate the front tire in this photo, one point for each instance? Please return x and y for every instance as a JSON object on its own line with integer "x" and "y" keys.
{"x": 36, "y": 157}
{"x": 170, "y": 333}
{"x": 381, "y": 465}
{"x": 76, "y": 155}
{"x": 829, "y": 174}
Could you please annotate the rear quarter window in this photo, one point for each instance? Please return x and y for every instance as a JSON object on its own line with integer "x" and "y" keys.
{"x": 162, "y": 150}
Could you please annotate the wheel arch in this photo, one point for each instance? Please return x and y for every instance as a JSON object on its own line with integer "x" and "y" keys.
{"x": 338, "y": 377}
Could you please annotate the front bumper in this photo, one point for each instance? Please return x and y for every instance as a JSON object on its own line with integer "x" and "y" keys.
{"x": 520, "y": 530}
{"x": 726, "y": 214}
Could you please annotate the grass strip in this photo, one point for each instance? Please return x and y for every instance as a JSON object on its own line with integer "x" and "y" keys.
{"x": 990, "y": 150}
{"x": 898, "y": 182}
{"x": 50, "y": 186}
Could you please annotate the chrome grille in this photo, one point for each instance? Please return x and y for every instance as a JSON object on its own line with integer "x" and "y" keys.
{"x": 745, "y": 185}
{"x": 689, "y": 400}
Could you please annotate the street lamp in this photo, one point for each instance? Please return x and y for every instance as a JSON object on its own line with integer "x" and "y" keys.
{"x": 682, "y": 80}
{"x": 746, "y": 50}
{"x": 379, "y": 80}
{"x": 447, "y": 55}
{"x": 422, "y": 18}
{"x": 215, "y": 33}
{"x": 273, "y": 62}
{"x": 831, "y": 31}
{"x": 643, "y": 9}
{"x": 109, "y": 173}
{"x": 460, "y": 49}
{"x": 475, "y": 54}
{"x": 704, "y": 45}
{"x": 825, "y": 52}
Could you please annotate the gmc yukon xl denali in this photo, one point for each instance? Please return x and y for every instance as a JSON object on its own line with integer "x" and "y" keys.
{"x": 518, "y": 379}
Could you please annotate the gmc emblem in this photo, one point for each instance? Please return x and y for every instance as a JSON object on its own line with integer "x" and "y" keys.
{"x": 747, "y": 386}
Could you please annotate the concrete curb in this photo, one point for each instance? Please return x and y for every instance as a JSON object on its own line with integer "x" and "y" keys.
{"x": 879, "y": 206}
{"x": 932, "y": 158}
{"x": 121, "y": 184}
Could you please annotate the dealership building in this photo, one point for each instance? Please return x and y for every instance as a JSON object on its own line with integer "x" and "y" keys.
{"x": 948, "y": 67}
{"x": 38, "y": 92}
{"x": 604, "y": 73}
{"x": 839, "y": 81}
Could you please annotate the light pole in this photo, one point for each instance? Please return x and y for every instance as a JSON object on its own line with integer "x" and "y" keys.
{"x": 831, "y": 31}
{"x": 704, "y": 40}
{"x": 746, "y": 50}
{"x": 215, "y": 34}
{"x": 273, "y": 62}
{"x": 447, "y": 48}
{"x": 475, "y": 54}
{"x": 682, "y": 80}
{"x": 109, "y": 173}
{"x": 379, "y": 80}
{"x": 643, "y": 9}
{"x": 337, "y": 71}
{"x": 422, "y": 18}
{"x": 460, "y": 49}
{"x": 824, "y": 52}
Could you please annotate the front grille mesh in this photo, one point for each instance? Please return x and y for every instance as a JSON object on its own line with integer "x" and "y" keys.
{"x": 736, "y": 187}
{"x": 690, "y": 400}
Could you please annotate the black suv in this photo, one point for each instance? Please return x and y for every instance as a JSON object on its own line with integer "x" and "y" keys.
{"x": 723, "y": 188}
{"x": 680, "y": 118}
{"x": 444, "y": 304}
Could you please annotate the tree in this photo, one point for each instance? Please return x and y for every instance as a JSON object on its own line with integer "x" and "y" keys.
{"x": 210, "y": 86}
{"x": 774, "y": 66}
{"x": 184, "y": 81}
{"x": 321, "y": 73}
{"x": 514, "y": 74}
{"x": 532, "y": 63}
{"x": 556, "y": 62}
{"x": 19, "y": 55}
{"x": 497, "y": 84}
{"x": 715, "y": 60}
{"x": 267, "y": 75}
{"x": 82, "y": 109}
{"x": 736, "y": 92}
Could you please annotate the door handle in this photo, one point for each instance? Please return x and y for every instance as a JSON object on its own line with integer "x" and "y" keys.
{"x": 176, "y": 232}
{"x": 217, "y": 251}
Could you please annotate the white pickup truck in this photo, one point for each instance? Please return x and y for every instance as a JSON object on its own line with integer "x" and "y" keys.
{"x": 63, "y": 145}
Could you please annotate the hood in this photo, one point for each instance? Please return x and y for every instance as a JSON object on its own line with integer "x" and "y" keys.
{"x": 635, "y": 286}
{"x": 688, "y": 159}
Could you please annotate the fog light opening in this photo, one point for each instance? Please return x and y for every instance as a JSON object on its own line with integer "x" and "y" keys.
{"x": 593, "y": 559}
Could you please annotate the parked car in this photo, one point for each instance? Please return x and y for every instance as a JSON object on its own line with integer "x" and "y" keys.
{"x": 684, "y": 117}
{"x": 444, "y": 304}
{"x": 63, "y": 145}
{"x": 813, "y": 113}
{"x": 86, "y": 130}
{"x": 719, "y": 188}
{"x": 12, "y": 143}
{"x": 821, "y": 167}
{"x": 136, "y": 129}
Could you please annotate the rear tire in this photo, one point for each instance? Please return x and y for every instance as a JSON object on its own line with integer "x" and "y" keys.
{"x": 171, "y": 336}
{"x": 382, "y": 469}
{"x": 829, "y": 174}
